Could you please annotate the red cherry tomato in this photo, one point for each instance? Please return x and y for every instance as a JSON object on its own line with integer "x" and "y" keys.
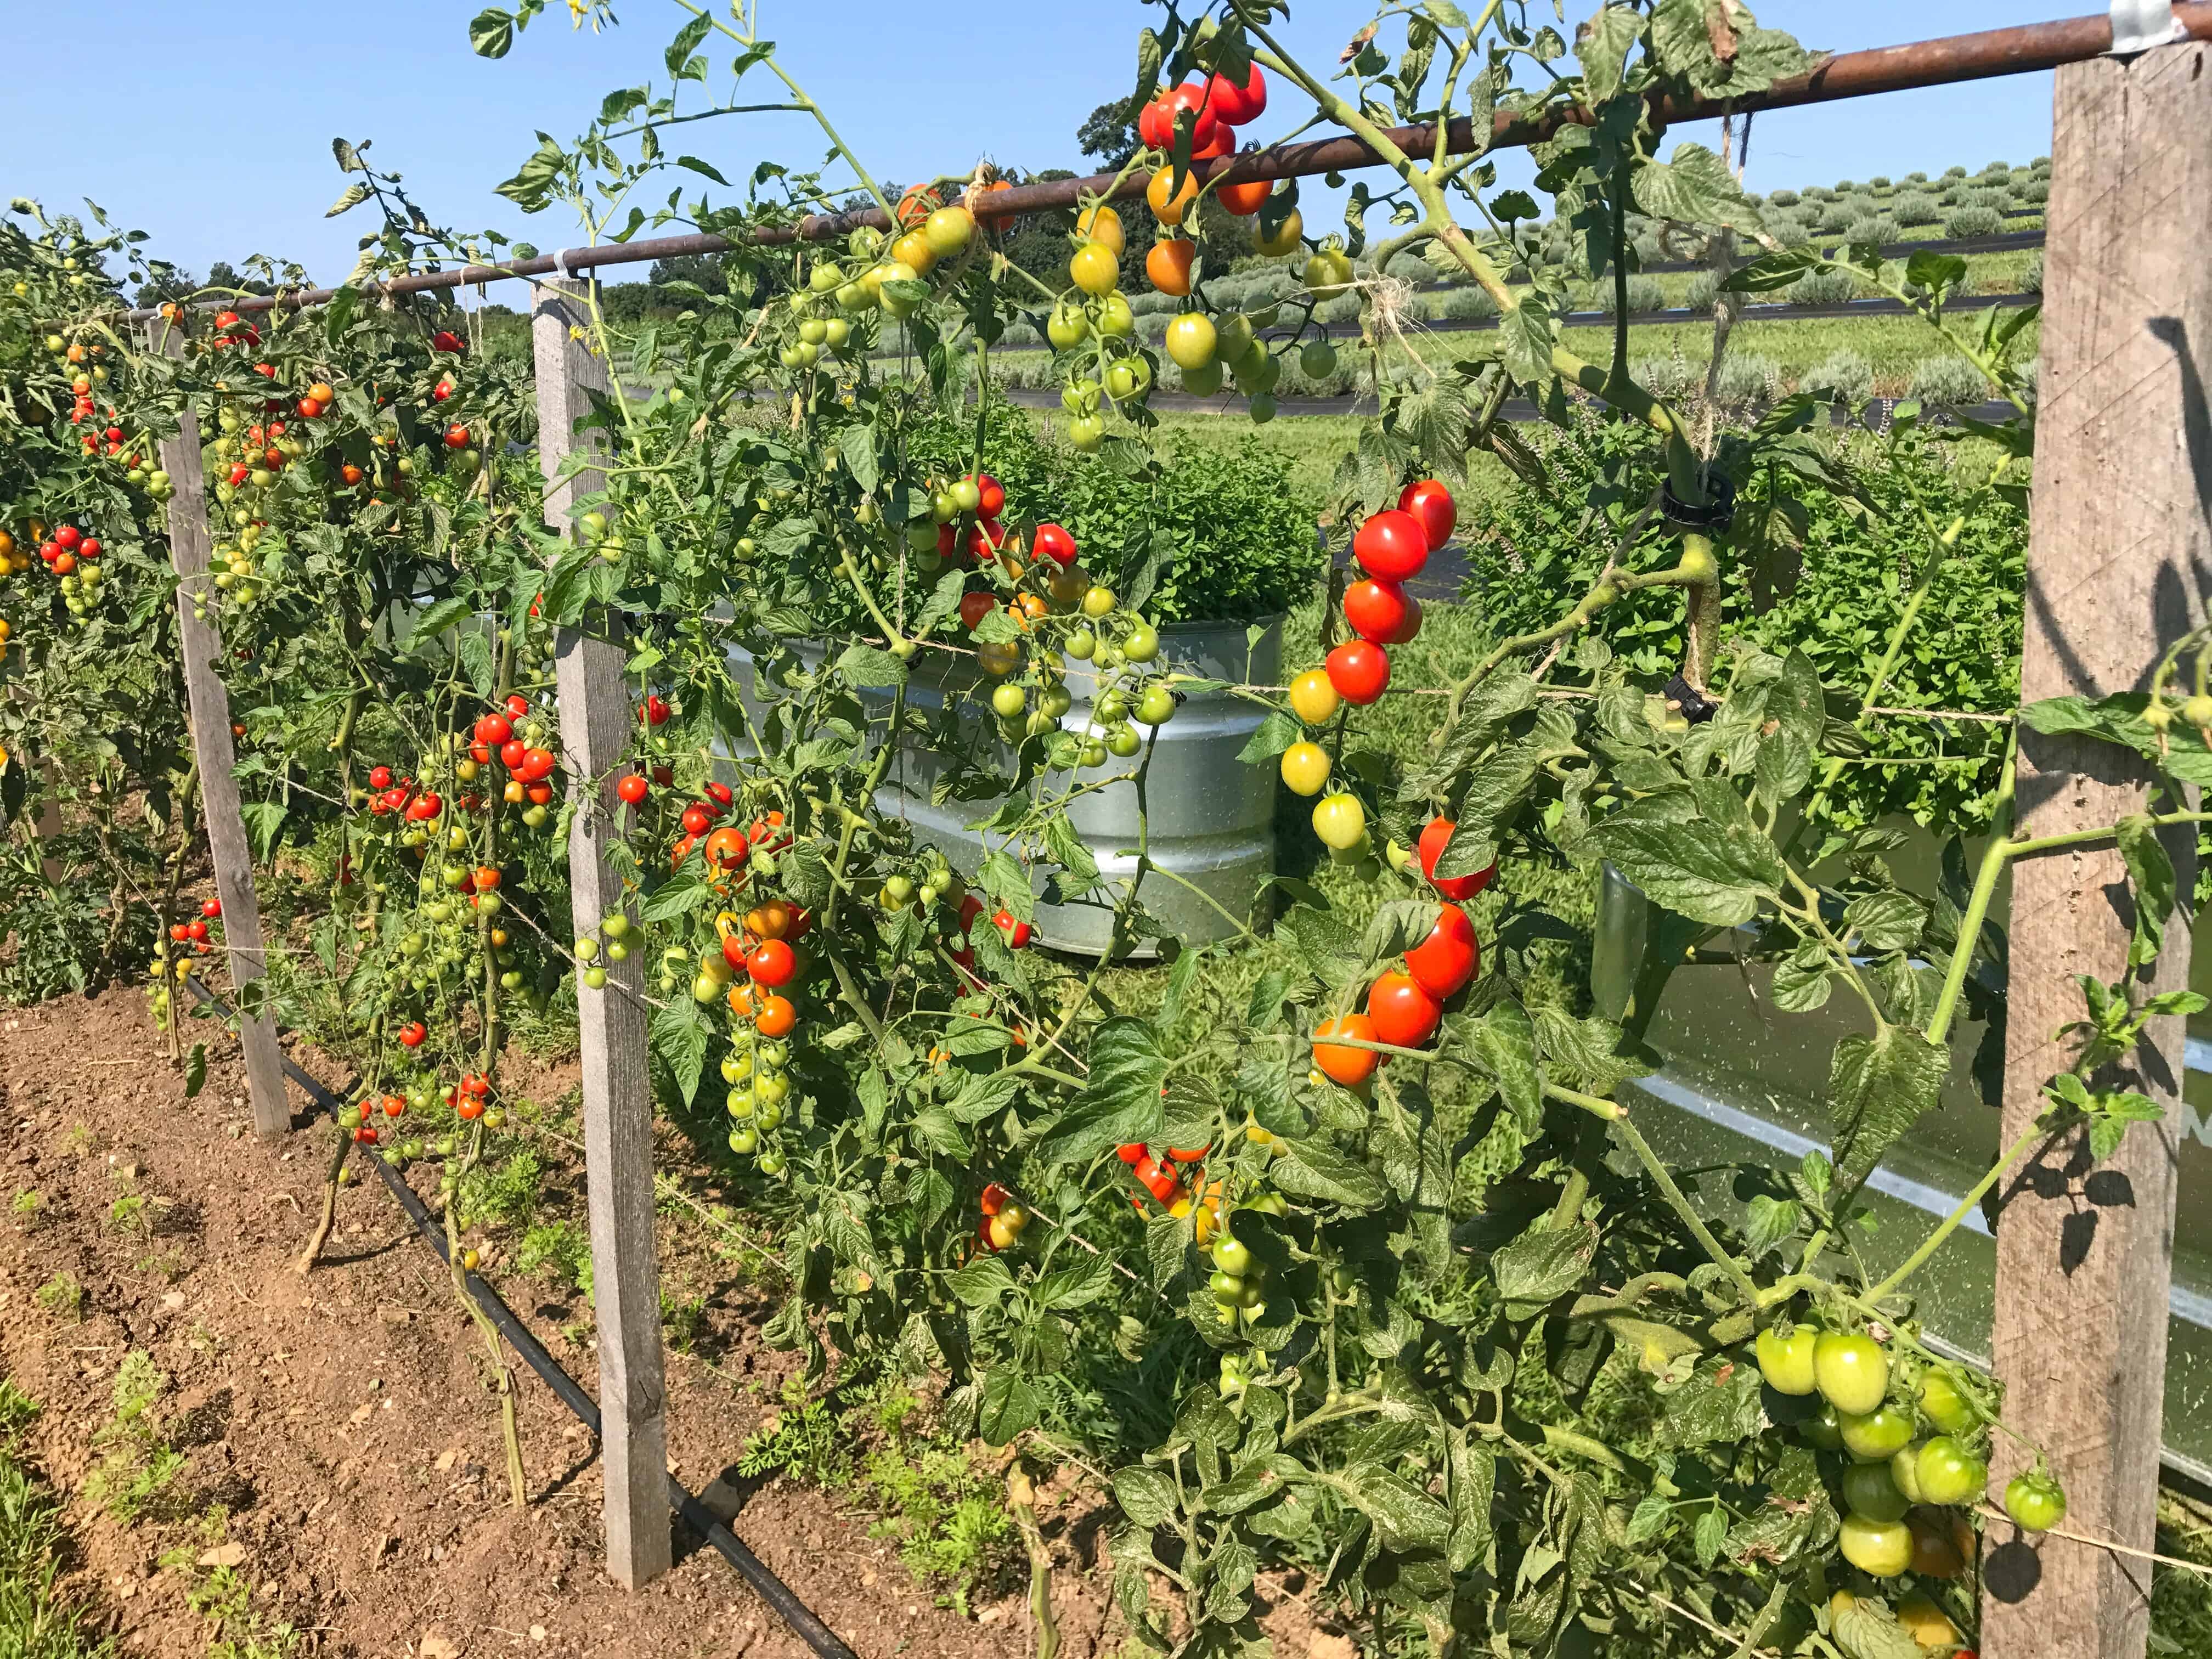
{"x": 1391, "y": 545}
{"x": 973, "y": 607}
{"x": 1054, "y": 543}
{"x": 511, "y": 753}
{"x": 379, "y": 777}
{"x": 412, "y": 1033}
{"x": 1377, "y": 610}
{"x": 990, "y": 496}
{"x": 517, "y": 705}
{"x": 1155, "y": 126}
{"x": 1359, "y": 669}
{"x": 772, "y": 964}
{"x": 1431, "y": 507}
{"x": 1403, "y": 1011}
{"x": 197, "y": 928}
{"x": 1017, "y": 933}
{"x": 1190, "y": 95}
{"x": 1236, "y": 106}
{"x": 719, "y": 794}
{"x": 985, "y": 537}
{"x": 995, "y": 1199}
{"x": 1435, "y": 837}
{"x": 67, "y": 538}
{"x": 1449, "y": 957}
{"x": 1135, "y": 1153}
{"x": 697, "y": 820}
{"x": 656, "y": 710}
{"x": 211, "y": 908}
{"x": 631, "y": 787}
{"x": 536, "y": 763}
{"x": 457, "y": 436}
{"x": 494, "y": 729}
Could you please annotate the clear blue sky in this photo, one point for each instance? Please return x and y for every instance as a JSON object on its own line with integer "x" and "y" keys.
{"x": 212, "y": 125}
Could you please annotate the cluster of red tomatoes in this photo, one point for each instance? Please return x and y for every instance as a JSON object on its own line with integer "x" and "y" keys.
{"x": 1406, "y": 1005}
{"x": 1392, "y": 548}
{"x": 1016, "y": 931}
{"x": 196, "y": 934}
{"x": 67, "y": 548}
{"x": 1217, "y": 106}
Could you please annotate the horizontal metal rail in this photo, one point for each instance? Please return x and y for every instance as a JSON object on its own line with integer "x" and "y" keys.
{"x": 2022, "y": 49}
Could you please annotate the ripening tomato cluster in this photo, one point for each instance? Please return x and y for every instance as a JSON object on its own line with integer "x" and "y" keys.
{"x": 198, "y": 933}
{"x": 1910, "y": 1440}
{"x": 1407, "y": 1004}
{"x": 1392, "y": 548}
{"x": 69, "y": 552}
{"x": 758, "y": 959}
{"x": 1005, "y": 1218}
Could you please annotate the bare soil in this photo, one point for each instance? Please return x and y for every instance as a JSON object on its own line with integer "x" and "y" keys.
{"x": 345, "y": 1420}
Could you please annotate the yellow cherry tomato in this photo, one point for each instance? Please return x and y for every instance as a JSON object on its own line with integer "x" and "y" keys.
{"x": 1305, "y": 768}
{"x": 1312, "y": 698}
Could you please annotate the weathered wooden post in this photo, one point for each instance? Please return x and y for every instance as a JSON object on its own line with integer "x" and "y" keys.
{"x": 191, "y": 546}
{"x": 2120, "y": 549}
{"x": 595, "y": 729}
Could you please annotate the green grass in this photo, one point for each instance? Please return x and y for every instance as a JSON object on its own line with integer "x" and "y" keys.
{"x": 37, "y": 1621}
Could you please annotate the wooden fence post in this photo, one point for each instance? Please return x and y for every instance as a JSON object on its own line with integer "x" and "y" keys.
{"x": 191, "y": 545}
{"x": 595, "y": 729}
{"x": 2119, "y": 547}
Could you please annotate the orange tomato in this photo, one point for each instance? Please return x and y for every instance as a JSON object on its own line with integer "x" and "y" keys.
{"x": 1348, "y": 1066}
{"x": 777, "y": 1016}
{"x": 1169, "y": 204}
{"x": 1168, "y": 265}
{"x": 771, "y": 919}
{"x": 727, "y": 848}
{"x": 995, "y": 220}
{"x": 1244, "y": 199}
{"x": 741, "y": 998}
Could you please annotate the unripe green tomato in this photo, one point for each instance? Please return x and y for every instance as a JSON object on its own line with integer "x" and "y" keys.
{"x": 1851, "y": 1369}
{"x": 595, "y": 979}
{"x": 1877, "y": 1436}
{"x": 1943, "y": 1404}
{"x": 772, "y": 1162}
{"x": 966, "y": 495}
{"x": 774, "y": 1052}
{"x": 769, "y": 1116}
{"x": 1949, "y": 1472}
{"x": 1008, "y": 700}
{"x": 1227, "y": 1287}
{"x": 1116, "y": 321}
{"x": 737, "y": 1066}
{"x": 744, "y": 1140}
{"x": 1098, "y": 602}
{"x": 1123, "y": 740}
{"x": 1868, "y": 1490}
{"x": 1141, "y": 644}
{"x": 1260, "y": 407}
{"x": 1905, "y": 1472}
{"x": 2035, "y": 1501}
{"x": 1317, "y": 360}
{"x": 772, "y": 1088}
{"x": 615, "y": 926}
{"x": 1786, "y": 1362}
{"x": 1882, "y": 1549}
{"x": 1824, "y": 1432}
{"x": 1093, "y": 753}
{"x": 705, "y": 988}
{"x": 1158, "y": 706}
{"x": 1232, "y": 1256}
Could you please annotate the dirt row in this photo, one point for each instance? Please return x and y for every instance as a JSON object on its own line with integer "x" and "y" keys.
{"x": 340, "y": 1426}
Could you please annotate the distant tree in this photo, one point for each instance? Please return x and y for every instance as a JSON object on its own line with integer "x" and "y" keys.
{"x": 703, "y": 269}
{"x": 164, "y": 282}
{"x": 1108, "y": 134}
{"x": 222, "y": 275}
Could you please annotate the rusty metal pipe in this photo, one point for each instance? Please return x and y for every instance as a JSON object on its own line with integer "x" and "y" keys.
{"x": 1955, "y": 59}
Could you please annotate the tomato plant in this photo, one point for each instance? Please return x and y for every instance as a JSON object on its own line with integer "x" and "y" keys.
{"x": 1367, "y": 1271}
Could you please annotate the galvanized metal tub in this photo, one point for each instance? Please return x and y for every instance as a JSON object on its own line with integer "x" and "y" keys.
{"x": 1210, "y": 816}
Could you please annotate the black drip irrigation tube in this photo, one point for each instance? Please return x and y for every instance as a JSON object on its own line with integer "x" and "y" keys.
{"x": 773, "y": 1590}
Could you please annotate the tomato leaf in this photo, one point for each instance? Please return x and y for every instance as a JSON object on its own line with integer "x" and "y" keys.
{"x": 1714, "y": 873}
{"x": 1541, "y": 1266}
{"x": 1119, "y": 1102}
{"x": 1878, "y": 1088}
{"x": 1502, "y": 1041}
{"x": 678, "y": 1037}
{"x": 1317, "y": 1170}
{"x": 980, "y": 1282}
{"x": 1010, "y": 1405}
{"x": 195, "y": 1069}
{"x": 1146, "y": 1496}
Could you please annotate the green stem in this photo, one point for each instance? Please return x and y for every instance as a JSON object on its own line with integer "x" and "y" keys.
{"x": 1977, "y": 906}
{"x": 1660, "y": 1178}
{"x": 1951, "y": 1222}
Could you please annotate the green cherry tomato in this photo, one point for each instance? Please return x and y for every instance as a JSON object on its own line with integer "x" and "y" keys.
{"x": 1141, "y": 644}
{"x": 1851, "y": 1370}
{"x": 1882, "y": 1548}
{"x": 1905, "y": 1472}
{"x": 1786, "y": 1362}
{"x": 1949, "y": 1472}
{"x": 1123, "y": 741}
{"x": 1943, "y": 1403}
{"x": 1877, "y": 1436}
{"x": 1232, "y": 1256}
{"x": 1098, "y": 602}
{"x": 1824, "y": 1432}
{"x": 1158, "y": 706}
{"x": 2035, "y": 1501}
{"x": 1226, "y": 1287}
{"x": 1009, "y": 700}
{"x": 1869, "y": 1491}
{"x": 745, "y": 1141}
